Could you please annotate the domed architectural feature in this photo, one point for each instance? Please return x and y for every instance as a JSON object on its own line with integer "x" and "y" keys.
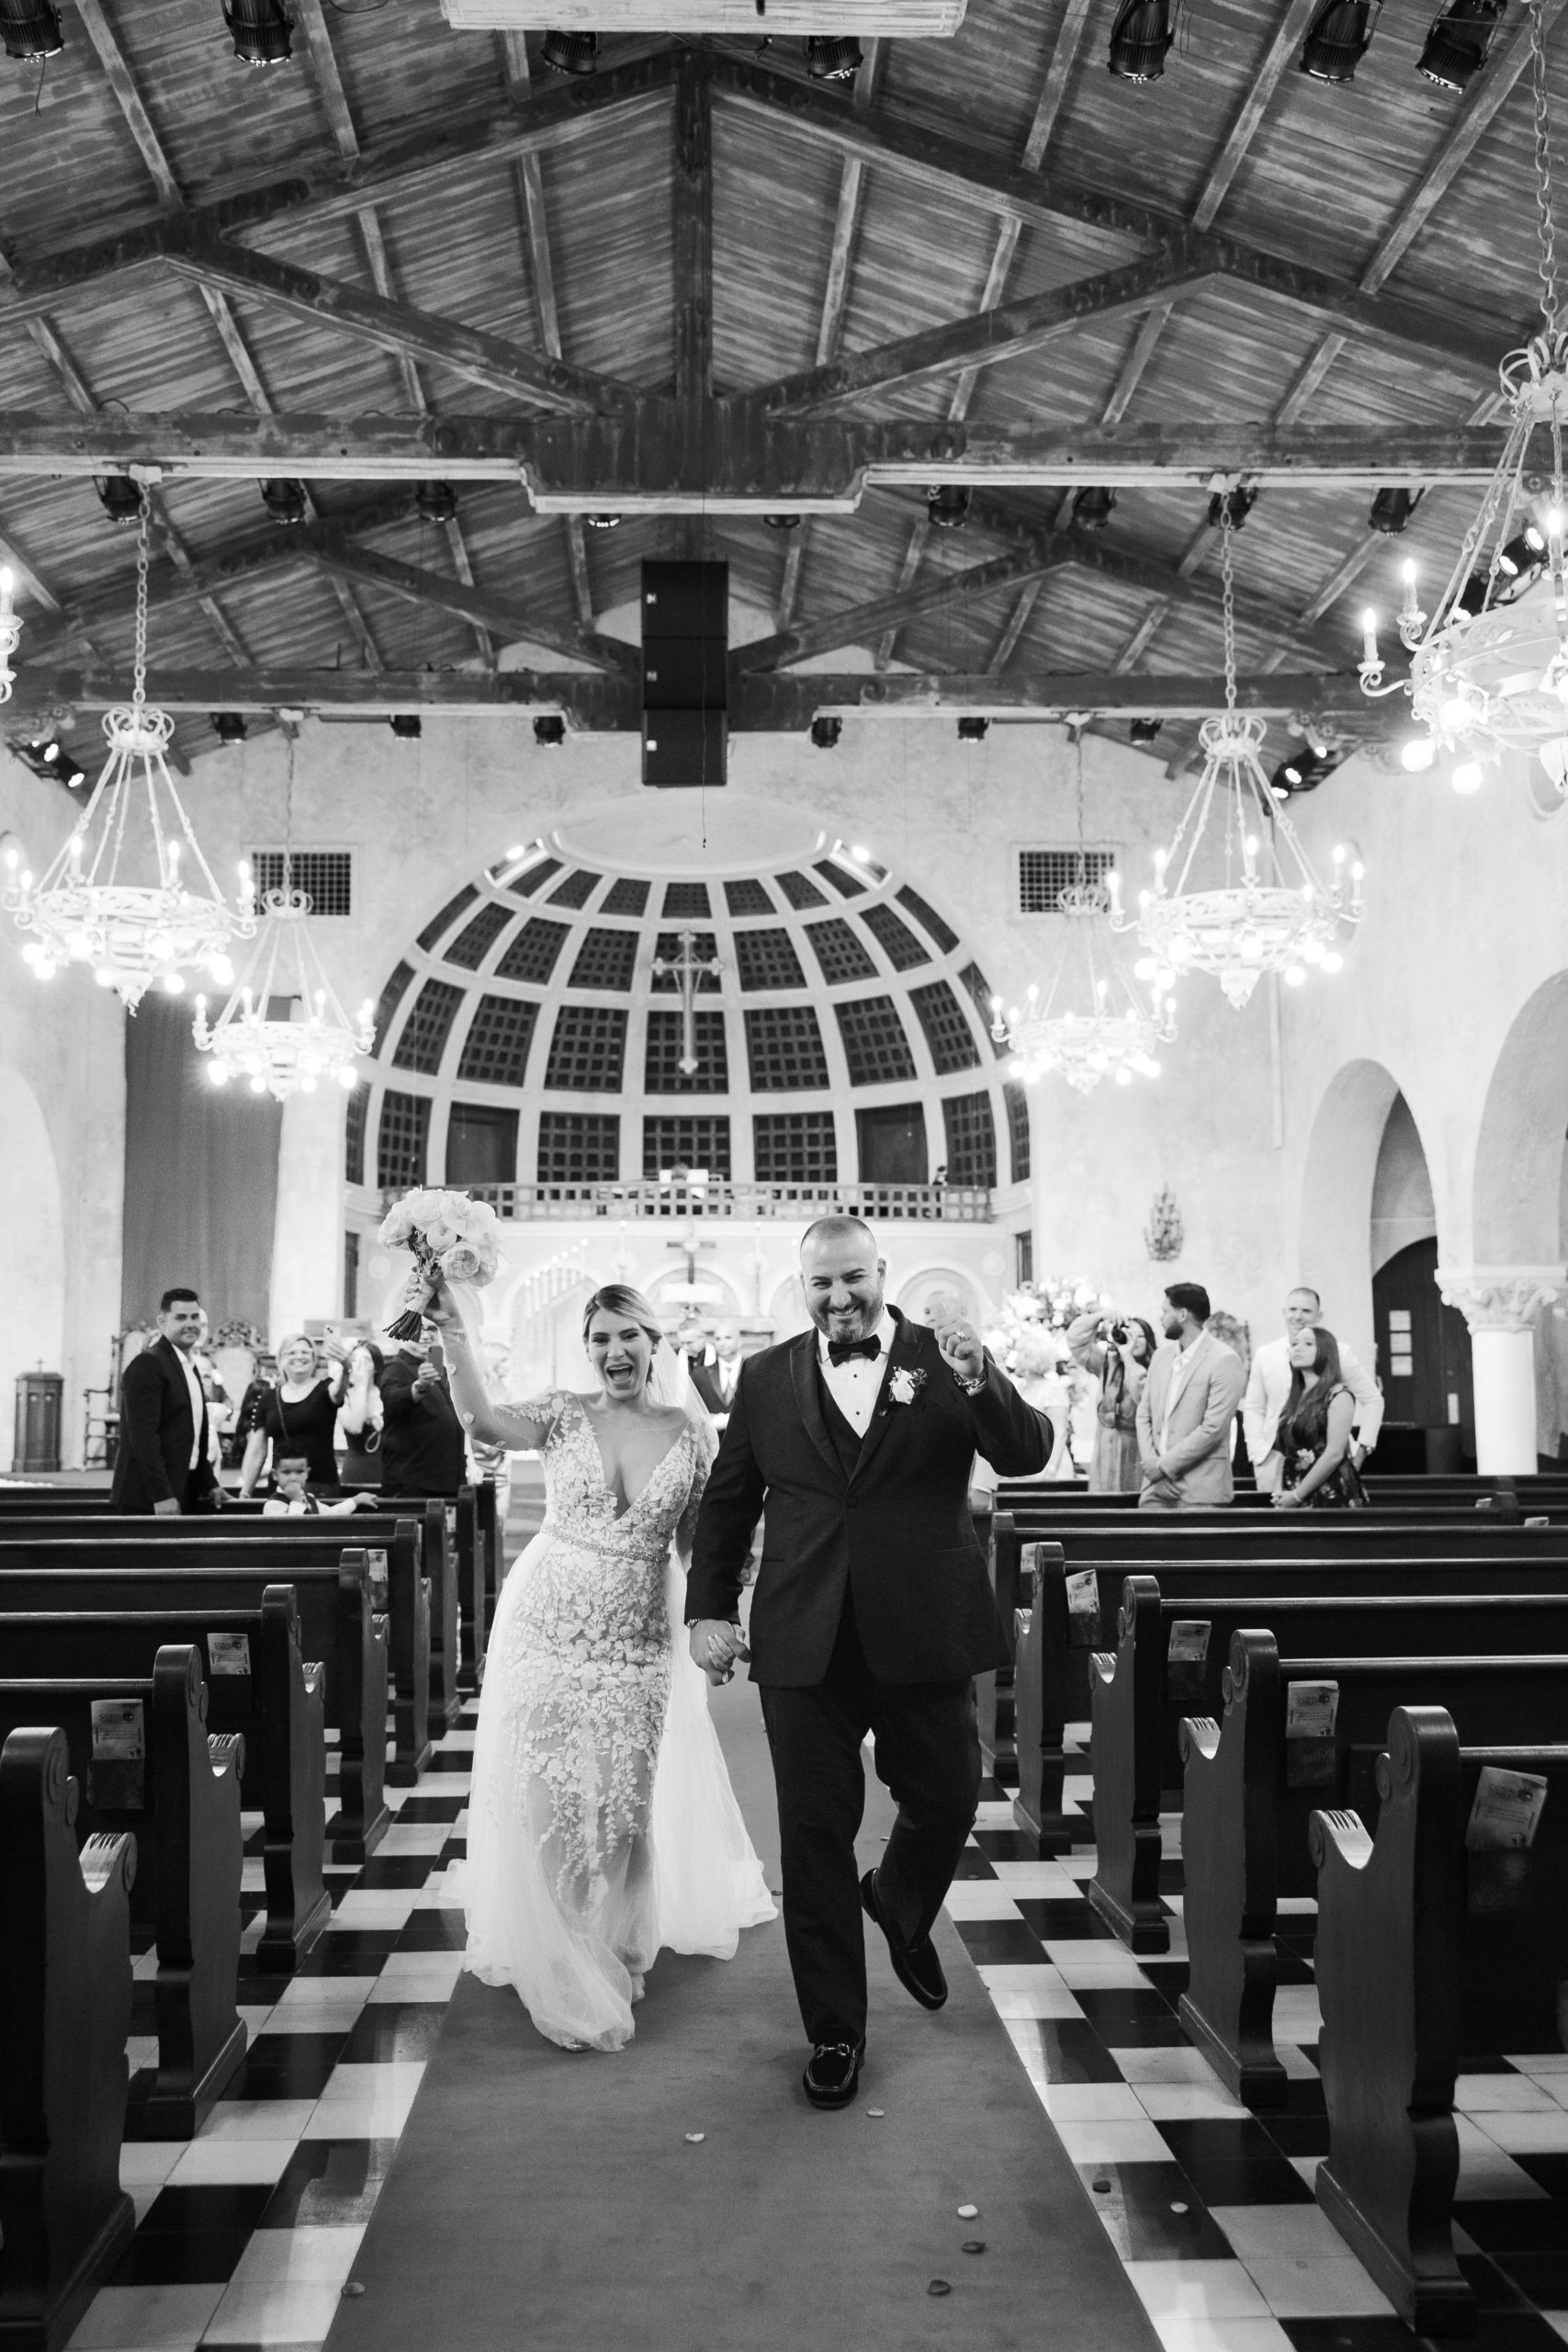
{"x": 565, "y": 1033}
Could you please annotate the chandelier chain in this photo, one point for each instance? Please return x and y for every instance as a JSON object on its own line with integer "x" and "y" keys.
{"x": 1227, "y": 574}
{"x": 139, "y": 695}
{"x": 1547, "y": 264}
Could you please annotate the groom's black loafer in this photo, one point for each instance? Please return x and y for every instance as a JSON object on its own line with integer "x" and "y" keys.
{"x": 915, "y": 1965}
{"x": 832, "y": 2072}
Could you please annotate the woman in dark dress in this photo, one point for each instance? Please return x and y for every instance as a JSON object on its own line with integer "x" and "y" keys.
{"x": 361, "y": 1418}
{"x": 299, "y": 1418}
{"x": 1315, "y": 1430}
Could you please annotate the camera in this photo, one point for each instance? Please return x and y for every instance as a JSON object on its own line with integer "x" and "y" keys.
{"x": 1115, "y": 1332}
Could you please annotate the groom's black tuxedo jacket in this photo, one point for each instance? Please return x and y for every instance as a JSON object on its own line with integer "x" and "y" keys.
{"x": 891, "y": 1521}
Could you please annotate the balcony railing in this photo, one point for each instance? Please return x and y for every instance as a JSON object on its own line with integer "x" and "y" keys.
{"x": 526, "y": 1203}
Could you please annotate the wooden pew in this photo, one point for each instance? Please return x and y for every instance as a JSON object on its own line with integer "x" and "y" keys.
{"x": 1169, "y": 1662}
{"x": 339, "y": 1623}
{"x": 477, "y": 1584}
{"x": 65, "y": 2015}
{"x": 257, "y": 1686}
{"x": 181, "y": 1801}
{"x": 1251, "y": 1792}
{"x": 1056, "y": 1637}
{"x": 1429, "y": 1957}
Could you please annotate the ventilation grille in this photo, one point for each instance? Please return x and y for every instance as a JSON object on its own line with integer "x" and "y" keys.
{"x": 607, "y": 959}
{"x": 532, "y": 954}
{"x": 588, "y": 1049}
{"x": 685, "y": 901}
{"x": 686, "y": 1143}
{"x": 477, "y": 937}
{"x": 667, "y": 948}
{"x": 427, "y": 1027}
{"x": 400, "y": 1145}
{"x": 326, "y": 876}
{"x": 948, "y": 1033}
{"x": 838, "y": 952}
{"x": 1044, "y": 874}
{"x": 579, "y": 1147}
{"x": 874, "y": 1045}
{"x": 794, "y": 1148}
{"x": 747, "y": 897}
{"x": 576, "y": 890}
{"x": 783, "y": 1048}
{"x": 661, "y": 1072}
{"x": 895, "y": 938}
{"x": 766, "y": 959}
{"x": 625, "y": 896}
{"x": 495, "y": 1051}
{"x": 971, "y": 1139}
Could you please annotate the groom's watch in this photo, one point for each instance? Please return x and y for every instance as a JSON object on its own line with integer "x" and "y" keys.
{"x": 971, "y": 1387}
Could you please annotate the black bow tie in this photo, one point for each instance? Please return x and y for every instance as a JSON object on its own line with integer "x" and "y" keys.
{"x": 841, "y": 1350}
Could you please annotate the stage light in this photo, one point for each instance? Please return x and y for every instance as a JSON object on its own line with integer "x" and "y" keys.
{"x": 825, "y": 733}
{"x": 284, "y": 500}
{"x": 781, "y": 522}
{"x": 1140, "y": 37}
{"x": 1518, "y": 566}
{"x": 1304, "y": 770}
{"x": 263, "y": 30}
{"x": 30, "y": 27}
{"x": 570, "y": 52}
{"x": 121, "y": 498}
{"x": 56, "y": 758}
{"x": 1242, "y": 503}
{"x": 1337, "y": 39}
{"x": 549, "y": 732}
{"x": 948, "y": 505}
{"x": 435, "y": 502}
{"x": 833, "y": 60}
{"x": 229, "y": 725}
{"x": 603, "y": 522}
{"x": 406, "y": 724}
{"x": 1457, "y": 42}
{"x": 1092, "y": 509}
{"x": 1391, "y": 510}
{"x": 1144, "y": 731}
{"x": 972, "y": 728}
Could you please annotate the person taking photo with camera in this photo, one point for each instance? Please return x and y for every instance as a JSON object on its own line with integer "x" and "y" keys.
{"x": 1116, "y": 1350}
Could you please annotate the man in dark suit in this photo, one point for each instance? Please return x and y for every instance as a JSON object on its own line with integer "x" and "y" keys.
{"x": 165, "y": 1462}
{"x": 873, "y": 1610}
{"x": 716, "y": 1371}
{"x": 423, "y": 1447}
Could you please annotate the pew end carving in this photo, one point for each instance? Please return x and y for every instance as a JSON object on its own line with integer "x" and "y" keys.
{"x": 1124, "y": 1708}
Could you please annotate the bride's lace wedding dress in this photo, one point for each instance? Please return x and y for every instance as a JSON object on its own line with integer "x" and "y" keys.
{"x": 602, "y": 1824}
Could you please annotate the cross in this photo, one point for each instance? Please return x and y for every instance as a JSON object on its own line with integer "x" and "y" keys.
{"x": 688, "y": 970}
{"x": 689, "y": 1246}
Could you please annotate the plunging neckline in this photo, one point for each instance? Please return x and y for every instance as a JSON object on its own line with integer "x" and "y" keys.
{"x": 606, "y": 1488}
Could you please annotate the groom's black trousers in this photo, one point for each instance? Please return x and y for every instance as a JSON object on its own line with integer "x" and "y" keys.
{"x": 927, "y": 1752}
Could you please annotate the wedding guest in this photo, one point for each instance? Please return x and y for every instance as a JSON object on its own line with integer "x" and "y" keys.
{"x": 1184, "y": 1414}
{"x": 1117, "y": 1353}
{"x": 220, "y": 1410}
{"x": 1236, "y": 1335}
{"x": 359, "y": 1421}
{"x": 292, "y": 1497}
{"x": 423, "y": 1448}
{"x": 1313, "y": 1440}
{"x": 163, "y": 1463}
{"x": 299, "y": 1418}
{"x": 1269, "y": 1386}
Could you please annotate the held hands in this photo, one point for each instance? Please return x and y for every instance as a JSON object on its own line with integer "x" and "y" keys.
{"x": 1291, "y": 1501}
{"x": 961, "y": 1350}
{"x": 718, "y": 1646}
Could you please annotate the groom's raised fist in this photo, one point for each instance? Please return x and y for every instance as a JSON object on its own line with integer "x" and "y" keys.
{"x": 961, "y": 1350}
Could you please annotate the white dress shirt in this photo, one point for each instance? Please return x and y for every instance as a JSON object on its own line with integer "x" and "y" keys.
{"x": 726, "y": 1373}
{"x": 1268, "y": 1388}
{"x": 197, "y": 1402}
{"x": 856, "y": 1384}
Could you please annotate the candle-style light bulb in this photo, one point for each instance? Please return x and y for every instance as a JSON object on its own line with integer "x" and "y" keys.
{"x": 1369, "y": 638}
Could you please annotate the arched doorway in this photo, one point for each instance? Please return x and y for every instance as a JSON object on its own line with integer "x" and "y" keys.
{"x": 32, "y": 1329}
{"x": 1520, "y": 1204}
{"x": 1338, "y": 1181}
{"x": 1423, "y": 1365}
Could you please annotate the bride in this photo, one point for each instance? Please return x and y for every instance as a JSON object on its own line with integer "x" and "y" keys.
{"x": 602, "y": 1824}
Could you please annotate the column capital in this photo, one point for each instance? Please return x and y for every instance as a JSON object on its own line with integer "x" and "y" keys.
{"x": 1500, "y": 1298}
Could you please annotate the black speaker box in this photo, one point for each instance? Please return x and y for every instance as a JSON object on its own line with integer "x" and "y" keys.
{"x": 681, "y": 748}
{"x": 685, "y": 600}
{"x": 685, "y": 674}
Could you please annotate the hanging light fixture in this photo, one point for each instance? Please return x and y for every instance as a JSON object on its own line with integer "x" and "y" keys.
{"x": 30, "y": 28}
{"x": 570, "y": 52}
{"x": 10, "y": 632}
{"x": 833, "y": 58}
{"x": 87, "y": 908}
{"x": 1489, "y": 673}
{"x": 1337, "y": 39}
{"x": 1457, "y": 42}
{"x": 1140, "y": 37}
{"x": 1271, "y": 913}
{"x": 312, "y": 1038}
{"x": 263, "y": 30}
{"x": 1090, "y": 1021}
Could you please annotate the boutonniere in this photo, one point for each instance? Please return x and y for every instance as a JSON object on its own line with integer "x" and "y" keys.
{"x": 905, "y": 1383}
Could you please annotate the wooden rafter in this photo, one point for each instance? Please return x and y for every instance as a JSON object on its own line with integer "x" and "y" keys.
{"x": 692, "y": 227}
{"x": 1063, "y": 57}
{"x": 1261, "y": 86}
{"x": 509, "y": 622}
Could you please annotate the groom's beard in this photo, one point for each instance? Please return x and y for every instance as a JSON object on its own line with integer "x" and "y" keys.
{"x": 858, "y": 1326}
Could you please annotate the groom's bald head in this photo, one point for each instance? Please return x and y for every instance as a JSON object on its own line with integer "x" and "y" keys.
{"x": 843, "y": 1277}
{"x": 839, "y": 1227}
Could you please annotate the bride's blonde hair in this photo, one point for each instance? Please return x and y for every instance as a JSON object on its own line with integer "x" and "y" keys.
{"x": 620, "y": 1298}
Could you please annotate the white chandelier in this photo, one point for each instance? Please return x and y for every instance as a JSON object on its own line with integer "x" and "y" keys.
{"x": 1488, "y": 672}
{"x": 1270, "y": 912}
{"x": 1090, "y": 1021}
{"x": 10, "y": 633}
{"x": 287, "y": 1055}
{"x": 89, "y": 908}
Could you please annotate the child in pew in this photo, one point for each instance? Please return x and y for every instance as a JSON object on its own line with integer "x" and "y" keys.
{"x": 294, "y": 1500}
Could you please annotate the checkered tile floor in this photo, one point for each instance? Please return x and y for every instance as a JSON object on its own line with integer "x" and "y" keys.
{"x": 1210, "y": 2207}
{"x": 247, "y": 2236}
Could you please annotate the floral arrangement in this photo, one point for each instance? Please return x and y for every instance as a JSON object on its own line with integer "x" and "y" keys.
{"x": 451, "y": 1236}
{"x": 1028, "y": 1337}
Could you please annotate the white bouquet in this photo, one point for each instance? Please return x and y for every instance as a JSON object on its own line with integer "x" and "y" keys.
{"x": 453, "y": 1238}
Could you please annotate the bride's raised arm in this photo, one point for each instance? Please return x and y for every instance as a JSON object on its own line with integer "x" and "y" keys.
{"x": 520, "y": 1427}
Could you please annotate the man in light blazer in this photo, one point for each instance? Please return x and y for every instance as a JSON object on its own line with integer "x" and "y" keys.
{"x": 1185, "y": 1412}
{"x": 1269, "y": 1386}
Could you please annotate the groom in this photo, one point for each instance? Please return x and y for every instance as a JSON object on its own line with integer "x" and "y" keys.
{"x": 871, "y": 1611}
